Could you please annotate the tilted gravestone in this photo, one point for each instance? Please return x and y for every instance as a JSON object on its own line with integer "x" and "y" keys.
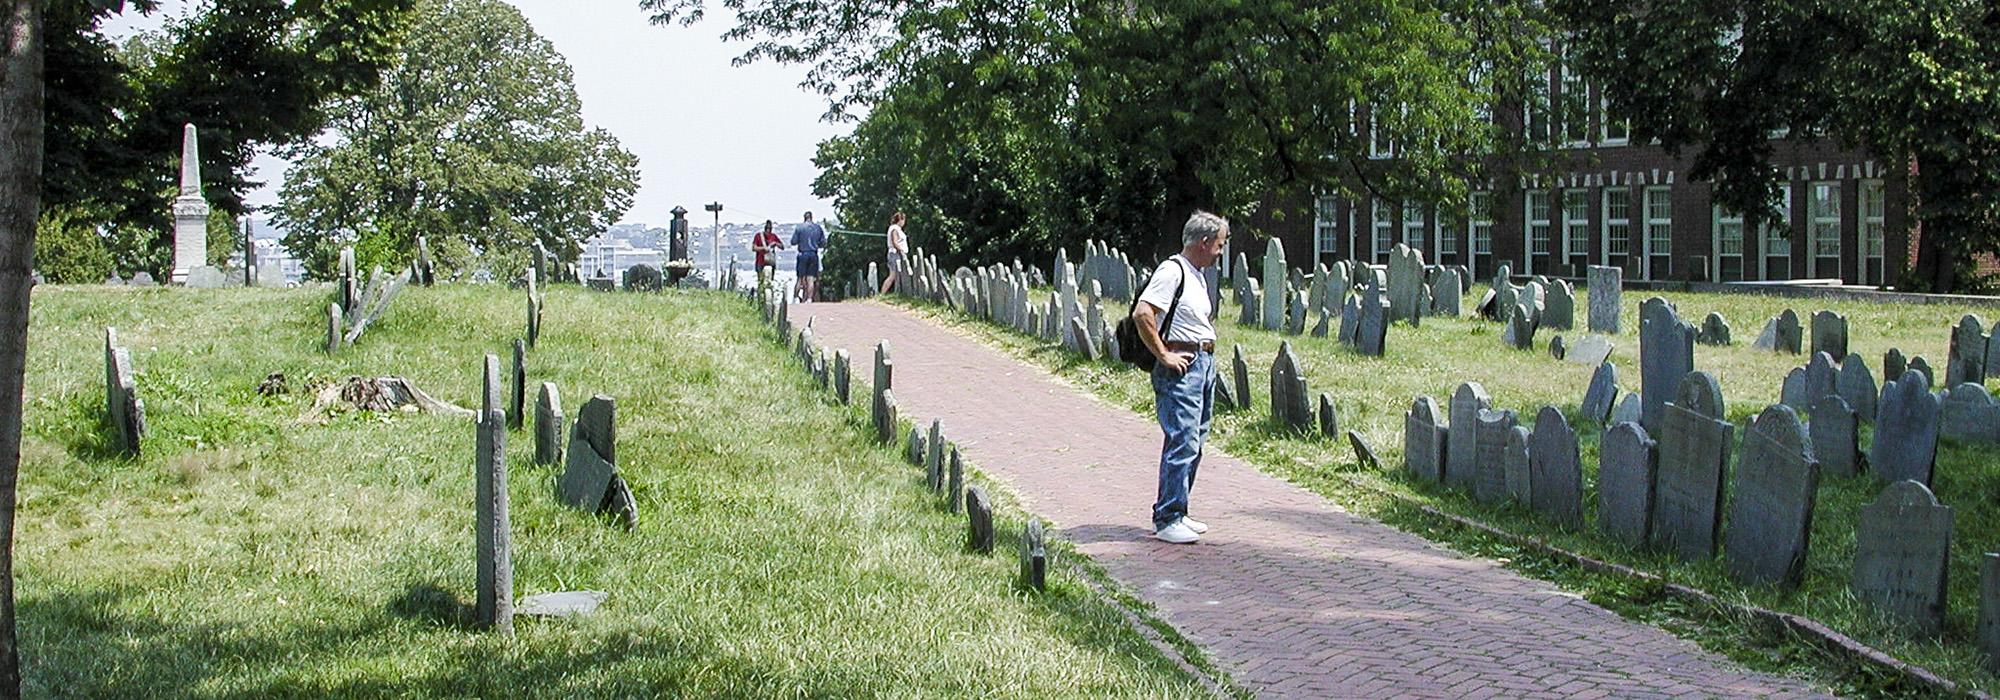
{"x": 1770, "y": 514}
{"x": 1988, "y": 631}
{"x": 1714, "y": 330}
{"x": 1372, "y": 332}
{"x": 1856, "y": 385}
{"x": 1290, "y": 409}
{"x": 1462, "y": 455}
{"x": 549, "y": 425}
{"x": 1034, "y": 556}
{"x": 1516, "y": 464}
{"x": 1350, "y": 321}
{"x": 1295, "y": 314}
{"x": 1906, "y": 430}
{"x": 122, "y": 407}
{"x": 1836, "y": 440}
{"x": 1329, "y": 419}
{"x": 1559, "y": 306}
{"x": 1274, "y": 285}
{"x": 1555, "y": 471}
{"x": 493, "y": 605}
{"x": 1902, "y": 551}
{"x": 1424, "y": 441}
{"x": 1784, "y": 334}
{"x": 1589, "y": 350}
{"x": 1829, "y": 334}
{"x": 934, "y": 460}
{"x": 1363, "y": 454}
{"x": 1225, "y": 398}
{"x": 517, "y": 385}
{"x": 1084, "y": 345}
{"x": 1966, "y": 361}
{"x": 979, "y": 520}
{"x": 1694, "y": 454}
{"x": 1490, "y": 478}
{"x": 1557, "y": 348}
{"x": 1325, "y": 323}
{"x": 1627, "y": 469}
{"x": 954, "y": 485}
{"x": 842, "y": 376}
{"x": 1606, "y": 286}
{"x": 1602, "y": 394}
{"x": 1969, "y": 415}
{"x": 1250, "y": 303}
{"x": 1240, "y": 372}
{"x": 1666, "y": 354}
{"x": 590, "y": 480}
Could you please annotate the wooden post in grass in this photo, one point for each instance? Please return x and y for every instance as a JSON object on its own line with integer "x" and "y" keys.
{"x": 495, "y": 605}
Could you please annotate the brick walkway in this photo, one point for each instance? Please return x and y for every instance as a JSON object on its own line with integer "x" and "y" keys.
{"x": 1290, "y": 594}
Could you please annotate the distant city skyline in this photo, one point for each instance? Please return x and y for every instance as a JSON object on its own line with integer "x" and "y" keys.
{"x": 704, "y": 131}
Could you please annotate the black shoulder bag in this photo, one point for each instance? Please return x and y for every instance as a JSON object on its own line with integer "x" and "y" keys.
{"x": 1131, "y": 348}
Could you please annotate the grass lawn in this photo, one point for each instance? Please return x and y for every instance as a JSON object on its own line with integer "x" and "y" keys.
{"x": 249, "y": 554}
{"x": 1372, "y": 394}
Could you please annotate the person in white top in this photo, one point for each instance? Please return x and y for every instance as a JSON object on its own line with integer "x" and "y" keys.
{"x": 1184, "y": 376}
{"x": 899, "y": 248}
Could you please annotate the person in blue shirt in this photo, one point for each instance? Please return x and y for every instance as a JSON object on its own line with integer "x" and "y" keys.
{"x": 809, "y": 239}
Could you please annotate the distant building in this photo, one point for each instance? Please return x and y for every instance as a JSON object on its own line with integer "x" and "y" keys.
{"x": 607, "y": 256}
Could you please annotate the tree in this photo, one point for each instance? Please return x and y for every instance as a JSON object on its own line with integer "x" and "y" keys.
{"x": 475, "y": 139}
{"x": 1914, "y": 82}
{"x": 20, "y": 199}
{"x": 1022, "y": 125}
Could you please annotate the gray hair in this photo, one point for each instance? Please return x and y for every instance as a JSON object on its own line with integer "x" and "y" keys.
{"x": 1202, "y": 226}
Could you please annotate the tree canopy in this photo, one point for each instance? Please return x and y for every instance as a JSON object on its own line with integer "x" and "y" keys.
{"x": 474, "y": 138}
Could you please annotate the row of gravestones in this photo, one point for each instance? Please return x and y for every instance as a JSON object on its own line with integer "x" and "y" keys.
{"x": 1668, "y": 493}
{"x": 945, "y": 471}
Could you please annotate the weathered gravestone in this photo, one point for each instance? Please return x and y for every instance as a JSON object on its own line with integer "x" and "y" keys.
{"x": 1781, "y": 334}
{"x": 1893, "y": 364}
{"x": 1274, "y": 285}
{"x": 1520, "y": 331}
{"x": 1516, "y": 464}
{"x": 1829, "y": 334}
{"x": 1627, "y": 469}
{"x": 1906, "y": 430}
{"x": 1372, "y": 332}
{"x": 549, "y": 425}
{"x": 1290, "y": 409}
{"x": 1602, "y": 393}
{"x": 1923, "y": 367}
{"x": 1836, "y": 440}
{"x": 590, "y": 480}
{"x": 207, "y": 277}
{"x": 517, "y": 385}
{"x": 917, "y": 447}
{"x": 1250, "y": 301}
{"x": 1902, "y": 550}
{"x": 979, "y": 520}
{"x": 1559, "y": 306}
{"x": 122, "y": 407}
{"x": 1856, "y": 385}
{"x": 1666, "y": 354}
{"x": 1240, "y": 372}
{"x": 1490, "y": 482}
{"x": 1424, "y": 441}
{"x": 1083, "y": 345}
{"x": 1629, "y": 410}
{"x": 882, "y": 412}
{"x": 1589, "y": 350}
{"x": 1714, "y": 330}
{"x": 1350, "y": 321}
{"x": 1605, "y": 291}
{"x": 1462, "y": 455}
{"x": 143, "y": 278}
{"x": 1821, "y": 379}
{"x": 493, "y": 595}
{"x": 1770, "y": 514}
{"x": 1988, "y": 631}
{"x": 954, "y": 483}
{"x": 1694, "y": 454}
{"x": 1406, "y": 278}
{"x": 562, "y": 604}
{"x": 1295, "y": 316}
{"x": 1968, "y": 414}
{"x": 1555, "y": 470}
{"x": 1329, "y": 419}
{"x": 1448, "y": 294}
{"x": 934, "y": 459}
{"x": 1966, "y": 361}
{"x": 1034, "y": 556}
{"x": 1557, "y": 348}
{"x": 336, "y": 327}
{"x": 843, "y": 380}
{"x": 1325, "y": 323}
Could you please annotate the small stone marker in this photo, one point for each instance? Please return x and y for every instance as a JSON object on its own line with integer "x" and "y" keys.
{"x": 1966, "y": 359}
{"x": 1694, "y": 455}
{"x": 843, "y": 380}
{"x": 1829, "y": 335}
{"x": 517, "y": 397}
{"x": 1555, "y": 470}
{"x": 1517, "y": 465}
{"x": 934, "y": 465}
{"x": 1602, "y": 394}
{"x": 1424, "y": 441}
{"x": 1462, "y": 455}
{"x": 494, "y": 590}
{"x": 1893, "y": 364}
{"x": 549, "y": 425}
{"x": 1666, "y": 354}
{"x": 1902, "y": 549}
{"x": 1988, "y": 632}
{"x": 143, "y": 278}
{"x": 979, "y": 520}
{"x": 954, "y": 488}
{"x": 1629, "y": 410}
{"x": 1714, "y": 330}
{"x": 917, "y": 447}
{"x": 563, "y": 604}
{"x": 1606, "y": 286}
{"x": 1906, "y": 430}
{"x": 882, "y": 409}
{"x": 336, "y": 327}
{"x": 1363, "y": 454}
{"x": 1836, "y": 440}
{"x": 1627, "y": 469}
{"x": 1557, "y": 348}
{"x": 1034, "y": 556}
{"x": 1490, "y": 483}
{"x": 1329, "y": 419}
{"x": 1770, "y": 516}
{"x": 1288, "y": 391}
{"x": 885, "y": 418}
{"x": 1589, "y": 350}
{"x": 1240, "y": 371}
{"x": 1857, "y": 386}
{"x": 122, "y": 407}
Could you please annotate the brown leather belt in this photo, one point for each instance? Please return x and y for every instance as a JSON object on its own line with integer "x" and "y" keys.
{"x": 1207, "y": 346}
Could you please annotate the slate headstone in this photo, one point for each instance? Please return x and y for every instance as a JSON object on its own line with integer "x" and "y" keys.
{"x": 1274, "y": 283}
{"x": 1240, "y": 373}
{"x": 1902, "y": 551}
{"x": 1923, "y": 367}
{"x": 1363, "y": 454}
{"x": 1829, "y": 334}
{"x": 1666, "y": 354}
{"x": 1517, "y": 465}
{"x": 1350, "y": 321}
{"x": 843, "y": 380}
{"x": 1602, "y": 394}
{"x": 1628, "y": 410}
{"x": 1694, "y": 455}
{"x": 979, "y": 520}
{"x": 1559, "y": 306}
{"x": 517, "y": 396}
{"x": 494, "y": 588}
{"x": 122, "y": 406}
{"x": 1424, "y": 440}
{"x": 1836, "y": 438}
{"x": 549, "y": 425}
{"x": 934, "y": 461}
{"x": 1371, "y": 334}
{"x": 1893, "y": 364}
{"x": 1462, "y": 455}
{"x": 336, "y": 327}
{"x": 1857, "y": 386}
{"x": 1714, "y": 330}
{"x": 954, "y": 486}
{"x": 1520, "y": 331}
{"x": 1770, "y": 514}
{"x": 1589, "y": 350}
{"x": 1490, "y": 483}
{"x": 1968, "y": 414}
{"x": 1555, "y": 471}
{"x": 1290, "y": 409}
{"x": 1906, "y": 430}
{"x": 1329, "y": 419}
{"x": 1988, "y": 631}
{"x": 1966, "y": 359}
{"x": 1557, "y": 348}
{"x": 1034, "y": 556}
{"x": 1627, "y": 470}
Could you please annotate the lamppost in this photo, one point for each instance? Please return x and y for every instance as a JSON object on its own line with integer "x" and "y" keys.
{"x": 715, "y": 244}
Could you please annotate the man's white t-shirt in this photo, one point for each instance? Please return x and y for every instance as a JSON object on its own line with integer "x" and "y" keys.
{"x": 1191, "y": 324}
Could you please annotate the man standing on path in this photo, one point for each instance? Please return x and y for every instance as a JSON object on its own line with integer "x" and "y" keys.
{"x": 1182, "y": 378}
{"x": 809, "y": 239}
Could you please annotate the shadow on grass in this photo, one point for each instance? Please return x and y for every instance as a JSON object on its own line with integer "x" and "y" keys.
{"x": 91, "y": 440}
{"x": 430, "y": 602}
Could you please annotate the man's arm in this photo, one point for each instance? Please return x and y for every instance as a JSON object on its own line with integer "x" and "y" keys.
{"x": 1146, "y": 317}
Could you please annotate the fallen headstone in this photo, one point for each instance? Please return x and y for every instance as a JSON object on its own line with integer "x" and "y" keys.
{"x": 1589, "y": 350}
{"x": 1363, "y": 454}
{"x": 562, "y": 604}
{"x": 590, "y": 480}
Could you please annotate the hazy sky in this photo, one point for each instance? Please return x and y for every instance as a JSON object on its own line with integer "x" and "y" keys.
{"x": 703, "y": 131}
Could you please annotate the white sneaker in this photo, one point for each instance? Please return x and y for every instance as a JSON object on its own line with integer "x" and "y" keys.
{"x": 1199, "y": 527}
{"x": 1177, "y": 533}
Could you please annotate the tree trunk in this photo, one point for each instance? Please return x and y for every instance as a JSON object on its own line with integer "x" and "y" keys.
{"x": 20, "y": 204}
{"x": 1938, "y": 252}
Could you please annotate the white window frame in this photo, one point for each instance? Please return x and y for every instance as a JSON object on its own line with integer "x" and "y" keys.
{"x": 1772, "y": 236}
{"x": 1873, "y": 200}
{"x": 1611, "y": 137}
{"x": 1380, "y": 146}
{"x": 1576, "y": 223}
{"x": 1413, "y": 229}
{"x": 1572, "y": 109}
{"x": 1326, "y": 225}
{"x": 1823, "y": 226}
{"x": 1537, "y": 234}
{"x": 1726, "y": 227}
{"x": 1659, "y": 233}
{"x": 1617, "y": 229}
{"x": 1479, "y": 222}
{"x": 1446, "y": 235}
{"x": 1383, "y": 224}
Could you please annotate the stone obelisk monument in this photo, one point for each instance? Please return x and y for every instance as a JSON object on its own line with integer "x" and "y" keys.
{"x": 190, "y": 212}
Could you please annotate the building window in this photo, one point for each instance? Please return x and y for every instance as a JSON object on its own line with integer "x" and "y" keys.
{"x": 1659, "y": 221}
{"x": 1479, "y": 222}
{"x": 1385, "y": 228}
{"x": 1576, "y": 222}
{"x": 1617, "y": 131}
{"x": 1728, "y": 232}
{"x": 1777, "y": 235}
{"x": 1326, "y": 227}
{"x": 1575, "y": 105}
{"x": 1874, "y": 219}
{"x": 1379, "y": 143}
{"x": 1413, "y": 226}
{"x": 1824, "y": 236}
{"x": 1538, "y": 222}
{"x": 1617, "y": 220}
{"x": 1447, "y": 236}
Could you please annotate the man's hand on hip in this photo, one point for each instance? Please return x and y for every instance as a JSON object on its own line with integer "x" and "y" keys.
{"x": 1177, "y": 361}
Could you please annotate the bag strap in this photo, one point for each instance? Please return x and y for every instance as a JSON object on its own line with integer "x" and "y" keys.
{"x": 1167, "y": 323}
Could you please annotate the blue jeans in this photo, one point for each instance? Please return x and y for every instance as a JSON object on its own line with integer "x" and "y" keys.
{"x": 1185, "y": 403}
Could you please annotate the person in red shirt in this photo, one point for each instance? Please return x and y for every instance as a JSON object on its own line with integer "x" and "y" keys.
{"x": 765, "y": 244}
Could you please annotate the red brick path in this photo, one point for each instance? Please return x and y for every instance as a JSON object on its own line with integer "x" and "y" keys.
{"x": 1290, "y": 594}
